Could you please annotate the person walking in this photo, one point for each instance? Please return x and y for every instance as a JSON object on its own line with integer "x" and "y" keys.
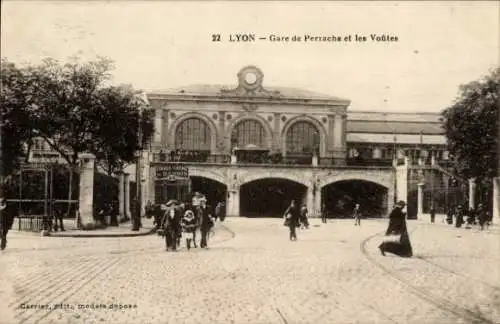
{"x": 324, "y": 215}
{"x": 220, "y": 211}
{"x": 459, "y": 218}
{"x": 292, "y": 215}
{"x": 206, "y": 223}
{"x": 304, "y": 222}
{"x": 6, "y": 221}
{"x": 433, "y": 214}
{"x": 396, "y": 239}
{"x": 58, "y": 217}
{"x": 189, "y": 227}
{"x": 482, "y": 216}
{"x": 357, "y": 215}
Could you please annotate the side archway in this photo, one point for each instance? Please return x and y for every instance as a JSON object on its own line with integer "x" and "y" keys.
{"x": 303, "y": 120}
{"x": 193, "y": 116}
{"x": 340, "y": 193}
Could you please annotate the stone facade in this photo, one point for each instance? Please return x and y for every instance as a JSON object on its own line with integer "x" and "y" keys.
{"x": 233, "y": 177}
{"x": 222, "y": 111}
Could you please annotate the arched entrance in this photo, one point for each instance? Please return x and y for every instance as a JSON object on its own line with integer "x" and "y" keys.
{"x": 269, "y": 197}
{"x": 213, "y": 190}
{"x": 340, "y": 198}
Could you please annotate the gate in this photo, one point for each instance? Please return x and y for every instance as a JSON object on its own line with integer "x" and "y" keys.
{"x": 172, "y": 182}
{"x": 32, "y": 198}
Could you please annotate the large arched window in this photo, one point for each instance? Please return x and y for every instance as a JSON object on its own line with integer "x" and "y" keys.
{"x": 302, "y": 138}
{"x": 193, "y": 134}
{"x": 248, "y": 132}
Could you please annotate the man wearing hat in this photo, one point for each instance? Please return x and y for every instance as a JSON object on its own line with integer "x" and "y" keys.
{"x": 397, "y": 240}
{"x": 206, "y": 222}
{"x": 171, "y": 223}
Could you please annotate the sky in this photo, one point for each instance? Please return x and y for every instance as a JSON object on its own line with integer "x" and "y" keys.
{"x": 165, "y": 44}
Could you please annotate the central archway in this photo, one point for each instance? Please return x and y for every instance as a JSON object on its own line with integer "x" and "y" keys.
{"x": 341, "y": 197}
{"x": 269, "y": 197}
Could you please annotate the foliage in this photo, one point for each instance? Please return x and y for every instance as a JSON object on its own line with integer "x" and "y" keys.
{"x": 471, "y": 128}
{"x": 67, "y": 108}
{"x": 15, "y": 97}
{"x": 73, "y": 108}
{"x": 123, "y": 113}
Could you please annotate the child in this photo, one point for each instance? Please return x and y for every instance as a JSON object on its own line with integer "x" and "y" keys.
{"x": 357, "y": 216}
{"x": 189, "y": 225}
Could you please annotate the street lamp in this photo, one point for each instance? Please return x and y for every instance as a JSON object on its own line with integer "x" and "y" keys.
{"x": 136, "y": 219}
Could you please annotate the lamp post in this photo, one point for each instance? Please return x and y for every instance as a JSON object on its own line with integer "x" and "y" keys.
{"x": 138, "y": 194}
{"x": 136, "y": 220}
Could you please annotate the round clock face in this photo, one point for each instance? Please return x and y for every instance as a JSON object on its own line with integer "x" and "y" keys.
{"x": 250, "y": 78}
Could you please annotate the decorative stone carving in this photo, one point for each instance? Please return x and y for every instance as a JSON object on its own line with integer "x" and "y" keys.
{"x": 250, "y": 84}
{"x": 250, "y": 107}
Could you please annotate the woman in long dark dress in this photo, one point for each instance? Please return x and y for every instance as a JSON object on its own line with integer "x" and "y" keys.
{"x": 397, "y": 226}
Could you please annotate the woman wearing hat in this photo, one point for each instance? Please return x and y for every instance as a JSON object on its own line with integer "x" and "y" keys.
{"x": 397, "y": 240}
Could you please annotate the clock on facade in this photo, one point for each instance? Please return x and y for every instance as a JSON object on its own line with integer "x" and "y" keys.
{"x": 250, "y": 78}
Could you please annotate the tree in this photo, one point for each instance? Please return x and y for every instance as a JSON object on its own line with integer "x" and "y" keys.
{"x": 471, "y": 128}
{"x": 123, "y": 111}
{"x": 16, "y": 93}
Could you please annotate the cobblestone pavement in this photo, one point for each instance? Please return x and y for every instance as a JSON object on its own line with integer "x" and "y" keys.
{"x": 253, "y": 274}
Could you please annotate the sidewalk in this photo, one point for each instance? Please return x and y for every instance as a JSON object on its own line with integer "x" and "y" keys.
{"x": 123, "y": 230}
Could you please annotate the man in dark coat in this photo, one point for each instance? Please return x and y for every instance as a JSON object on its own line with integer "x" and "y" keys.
{"x": 324, "y": 215}
{"x": 482, "y": 216}
{"x": 171, "y": 224}
{"x": 397, "y": 226}
{"x": 459, "y": 220}
{"x": 292, "y": 217}
{"x": 206, "y": 223}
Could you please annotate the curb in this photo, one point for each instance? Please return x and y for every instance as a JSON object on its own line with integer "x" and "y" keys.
{"x": 82, "y": 235}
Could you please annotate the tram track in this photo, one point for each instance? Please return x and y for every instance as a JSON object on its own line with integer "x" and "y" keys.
{"x": 464, "y": 312}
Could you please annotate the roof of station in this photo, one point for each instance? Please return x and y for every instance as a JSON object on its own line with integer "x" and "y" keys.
{"x": 215, "y": 90}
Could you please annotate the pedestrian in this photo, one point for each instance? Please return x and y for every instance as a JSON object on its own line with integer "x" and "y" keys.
{"x": 206, "y": 222}
{"x": 149, "y": 209}
{"x": 396, "y": 239}
{"x": 304, "y": 222}
{"x": 6, "y": 221}
{"x": 189, "y": 227}
{"x": 220, "y": 211}
{"x": 171, "y": 225}
{"x": 433, "y": 214}
{"x": 58, "y": 217}
{"x": 324, "y": 215}
{"x": 450, "y": 214}
{"x": 357, "y": 215}
{"x": 292, "y": 216}
{"x": 459, "y": 217}
{"x": 482, "y": 216}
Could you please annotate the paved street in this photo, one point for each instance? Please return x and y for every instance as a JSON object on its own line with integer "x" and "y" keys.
{"x": 253, "y": 274}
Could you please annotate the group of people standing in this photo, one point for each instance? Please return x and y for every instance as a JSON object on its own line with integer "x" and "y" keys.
{"x": 175, "y": 220}
{"x": 468, "y": 217}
